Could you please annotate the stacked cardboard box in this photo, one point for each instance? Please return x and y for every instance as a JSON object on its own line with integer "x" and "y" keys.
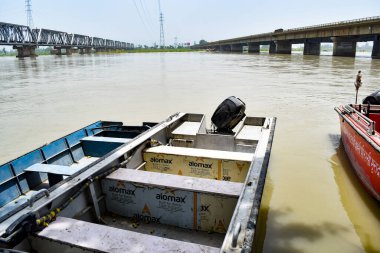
{"x": 181, "y": 201}
{"x": 203, "y": 163}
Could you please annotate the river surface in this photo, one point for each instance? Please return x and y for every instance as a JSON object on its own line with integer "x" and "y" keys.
{"x": 312, "y": 200}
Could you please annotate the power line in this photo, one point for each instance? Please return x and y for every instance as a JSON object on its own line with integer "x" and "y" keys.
{"x": 146, "y": 13}
{"x": 28, "y": 10}
{"x": 141, "y": 18}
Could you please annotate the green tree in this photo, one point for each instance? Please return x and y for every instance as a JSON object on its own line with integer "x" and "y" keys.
{"x": 202, "y": 42}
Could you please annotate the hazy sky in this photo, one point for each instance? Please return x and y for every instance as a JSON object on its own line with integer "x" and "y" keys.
{"x": 137, "y": 21}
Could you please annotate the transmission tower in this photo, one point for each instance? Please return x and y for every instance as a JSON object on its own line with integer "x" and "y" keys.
{"x": 162, "y": 36}
{"x": 28, "y": 10}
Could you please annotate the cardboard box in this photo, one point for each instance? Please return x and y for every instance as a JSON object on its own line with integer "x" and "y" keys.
{"x": 181, "y": 201}
{"x": 203, "y": 163}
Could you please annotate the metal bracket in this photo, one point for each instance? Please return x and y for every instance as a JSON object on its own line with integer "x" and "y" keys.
{"x": 94, "y": 199}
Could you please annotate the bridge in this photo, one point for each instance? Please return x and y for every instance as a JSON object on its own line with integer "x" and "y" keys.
{"x": 26, "y": 40}
{"x": 344, "y": 36}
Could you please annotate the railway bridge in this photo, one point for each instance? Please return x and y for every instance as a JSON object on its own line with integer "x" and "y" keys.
{"x": 344, "y": 36}
{"x": 26, "y": 40}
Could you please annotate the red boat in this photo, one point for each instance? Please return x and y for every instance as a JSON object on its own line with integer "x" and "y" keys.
{"x": 360, "y": 130}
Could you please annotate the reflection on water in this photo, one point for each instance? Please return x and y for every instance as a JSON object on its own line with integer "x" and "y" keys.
{"x": 305, "y": 207}
{"x": 362, "y": 209}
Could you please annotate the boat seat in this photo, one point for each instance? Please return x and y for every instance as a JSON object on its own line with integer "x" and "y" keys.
{"x": 184, "y": 135}
{"x": 55, "y": 172}
{"x": 247, "y": 138}
{"x": 65, "y": 234}
{"x": 98, "y": 146}
{"x": 187, "y": 128}
{"x": 106, "y": 139}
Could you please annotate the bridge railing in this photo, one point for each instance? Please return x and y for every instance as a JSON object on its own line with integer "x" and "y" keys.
{"x": 352, "y": 21}
{"x": 270, "y": 34}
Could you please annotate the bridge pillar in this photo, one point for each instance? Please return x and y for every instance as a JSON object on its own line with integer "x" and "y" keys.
{"x": 253, "y": 48}
{"x": 312, "y": 48}
{"x": 100, "y": 49}
{"x": 225, "y": 48}
{"x": 85, "y": 50}
{"x": 66, "y": 50}
{"x": 376, "y": 49}
{"x": 344, "y": 46}
{"x": 283, "y": 47}
{"x": 272, "y": 47}
{"x": 238, "y": 48}
{"x": 25, "y": 51}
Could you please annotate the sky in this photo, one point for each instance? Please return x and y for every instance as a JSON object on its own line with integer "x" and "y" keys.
{"x": 137, "y": 21}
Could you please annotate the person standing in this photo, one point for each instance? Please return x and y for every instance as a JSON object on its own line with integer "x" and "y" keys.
{"x": 358, "y": 84}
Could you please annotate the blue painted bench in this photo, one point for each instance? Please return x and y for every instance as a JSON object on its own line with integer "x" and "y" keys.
{"x": 55, "y": 172}
{"x": 99, "y": 146}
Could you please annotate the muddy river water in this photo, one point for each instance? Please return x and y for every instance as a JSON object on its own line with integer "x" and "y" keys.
{"x": 312, "y": 200}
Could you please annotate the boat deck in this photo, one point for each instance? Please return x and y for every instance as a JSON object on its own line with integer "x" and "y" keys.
{"x": 90, "y": 237}
{"x": 165, "y": 231}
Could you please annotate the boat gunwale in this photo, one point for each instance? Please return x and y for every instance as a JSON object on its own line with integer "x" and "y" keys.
{"x": 65, "y": 136}
{"x": 358, "y": 130}
{"x": 236, "y": 228}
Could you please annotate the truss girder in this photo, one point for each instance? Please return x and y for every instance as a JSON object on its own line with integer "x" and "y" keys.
{"x": 98, "y": 42}
{"x": 81, "y": 41}
{"x": 20, "y": 35}
{"x": 110, "y": 44}
{"x": 11, "y": 34}
{"x": 52, "y": 38}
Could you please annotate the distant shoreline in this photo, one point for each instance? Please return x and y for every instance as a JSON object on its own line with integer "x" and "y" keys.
{"x": 137, "y": 50}
{"x": 166, "y": 50}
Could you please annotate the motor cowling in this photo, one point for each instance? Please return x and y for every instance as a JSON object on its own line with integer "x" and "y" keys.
{"x": 228, "y": 114}
{"x": 373, "y": 99}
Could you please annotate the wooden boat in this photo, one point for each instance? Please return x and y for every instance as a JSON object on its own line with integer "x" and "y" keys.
{"x": 360, "y": 131}
{"x": 174, "y": 186}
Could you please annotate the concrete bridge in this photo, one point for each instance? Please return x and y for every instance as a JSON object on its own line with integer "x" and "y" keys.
{"x": 344, "y": 36}
{"x": 26, "y": 40}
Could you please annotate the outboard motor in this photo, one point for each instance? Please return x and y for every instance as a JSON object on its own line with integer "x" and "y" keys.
{"x": 228, "y": 114}
{"x": 373, "y": 99}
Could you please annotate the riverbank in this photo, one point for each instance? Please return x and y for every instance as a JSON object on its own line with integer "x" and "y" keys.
{"x": 137, "y": 50}
{"x": 151, "y": 50}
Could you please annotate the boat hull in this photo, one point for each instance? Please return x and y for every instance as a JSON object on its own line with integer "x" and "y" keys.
{"x": 363, "y": 153}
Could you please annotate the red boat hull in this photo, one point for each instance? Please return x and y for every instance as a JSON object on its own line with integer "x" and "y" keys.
{"x": 362, "y": 149}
